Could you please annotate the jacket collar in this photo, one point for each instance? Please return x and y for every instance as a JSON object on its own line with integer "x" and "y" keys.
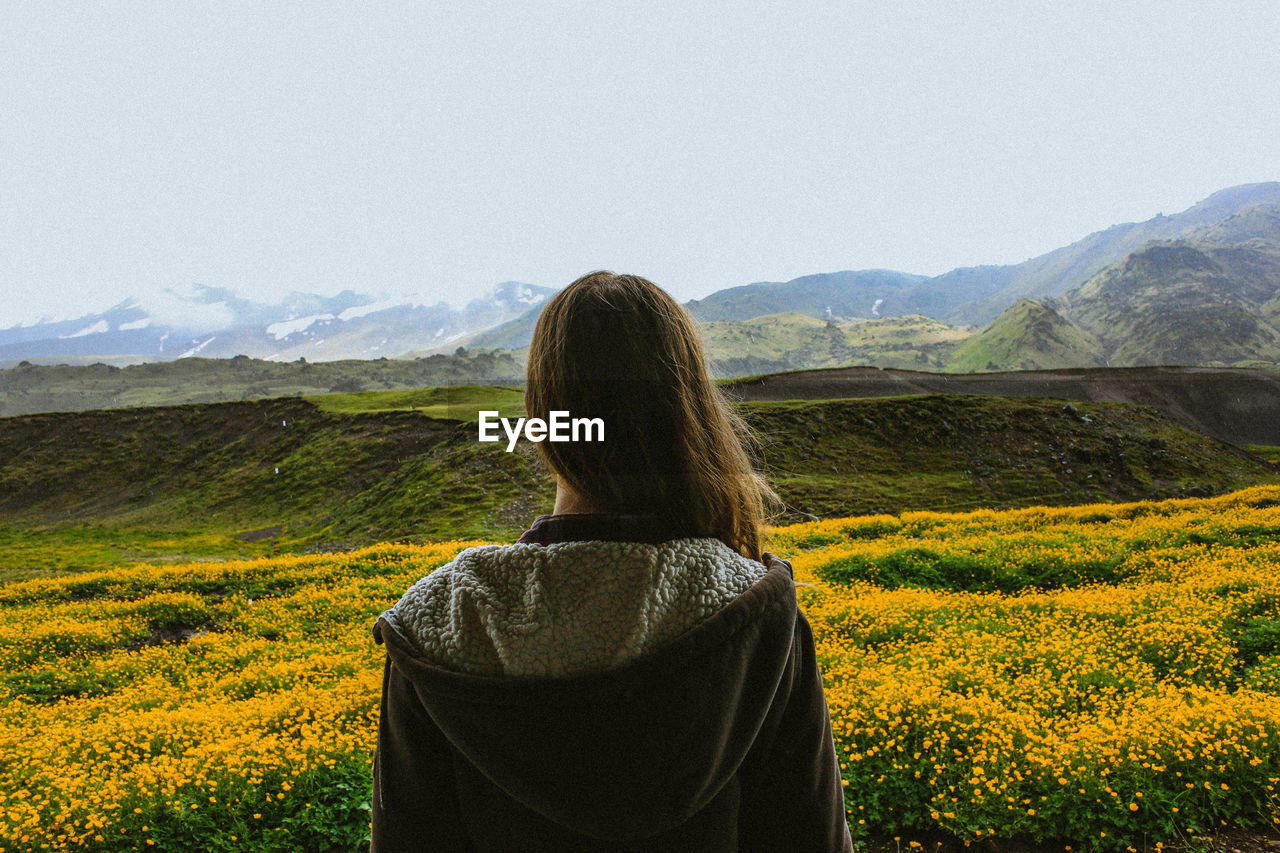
{"x": 604, "y": 526}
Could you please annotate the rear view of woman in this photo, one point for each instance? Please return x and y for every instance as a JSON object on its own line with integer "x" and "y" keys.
{"x": 633, "y": 674}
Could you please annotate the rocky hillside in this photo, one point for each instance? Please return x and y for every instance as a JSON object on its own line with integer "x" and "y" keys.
{"x": 1210, "y": 299}
{"x": 1057, "y": 272}
{"x": 1185, "y": 302}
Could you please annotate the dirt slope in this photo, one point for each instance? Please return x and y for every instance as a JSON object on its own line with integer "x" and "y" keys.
{"x": 1239, "y": 406}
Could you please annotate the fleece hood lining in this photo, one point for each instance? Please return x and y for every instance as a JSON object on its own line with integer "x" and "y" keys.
{"x": 527, "y": 611}
{"x": 772, "y": 592}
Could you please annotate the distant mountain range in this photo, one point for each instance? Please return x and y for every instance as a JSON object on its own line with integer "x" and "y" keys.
{"x": 218, "y": 323}
{"x": 1198, "y": 287}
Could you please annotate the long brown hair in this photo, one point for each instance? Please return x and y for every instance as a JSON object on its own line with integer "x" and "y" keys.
{"x": 619, "y": 348}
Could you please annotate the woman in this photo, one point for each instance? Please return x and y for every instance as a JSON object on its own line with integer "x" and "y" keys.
{"x": 633, "y": 673}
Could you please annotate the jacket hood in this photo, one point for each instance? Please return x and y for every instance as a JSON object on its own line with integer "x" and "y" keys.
{"x": 628, "y": 751}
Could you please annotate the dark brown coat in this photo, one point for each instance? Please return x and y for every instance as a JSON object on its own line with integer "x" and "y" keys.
{"x": 717, "y": 741}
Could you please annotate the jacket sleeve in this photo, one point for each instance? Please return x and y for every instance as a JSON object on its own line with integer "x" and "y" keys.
{"x": 795, "y": 798}
{"x": 415, "y": 804}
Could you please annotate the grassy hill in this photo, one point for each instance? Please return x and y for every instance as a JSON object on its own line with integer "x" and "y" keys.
{"x": 1239, "y": 406}
{"x": 1031, "y": 335}
{"x": 793, "y": 341}
{"x": 451, "y": 402}
{"x": 947, "y": 452}
{"x": 89, "y": 489}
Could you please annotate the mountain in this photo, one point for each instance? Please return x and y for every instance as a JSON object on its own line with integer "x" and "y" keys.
{"x": 514, "y": 334}
{"x": 976, "y": 295}
{"x": 1197, "y": 286}
{"x": 1185, "y": 302}
{"x": 1029, "y": 336}
{"x": 837, "y": 295}
{"x": 1211, "y": 298}
{"x": 218, "y": 323}
{"x": 967, "y": 295}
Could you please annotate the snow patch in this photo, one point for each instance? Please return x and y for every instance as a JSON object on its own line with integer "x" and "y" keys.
{"x": 453, "y": 337}
{"x": 96, "y": 329}
{"x": 288, "y": 327}
{"x": 181, "y": 309}
{"x": 197, "y": 348}
{"x": 364, "y": 310}
{"x": 134, "y": 324}
{"x": 527, "y": 296}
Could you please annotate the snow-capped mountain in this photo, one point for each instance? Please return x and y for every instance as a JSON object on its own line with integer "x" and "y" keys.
{"x": 219, "y": 323}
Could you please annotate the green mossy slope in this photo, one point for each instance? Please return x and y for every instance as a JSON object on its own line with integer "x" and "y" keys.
{"x": 78, "y": 490}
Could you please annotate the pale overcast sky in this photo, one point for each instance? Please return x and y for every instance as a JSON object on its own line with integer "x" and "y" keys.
{"x": 441, "y": 147}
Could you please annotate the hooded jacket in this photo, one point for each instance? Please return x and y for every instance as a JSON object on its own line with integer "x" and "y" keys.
{"x": 604, "y": 694}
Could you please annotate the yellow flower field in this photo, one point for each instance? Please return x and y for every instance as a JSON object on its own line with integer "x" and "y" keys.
{"x": 1102, "y": 677}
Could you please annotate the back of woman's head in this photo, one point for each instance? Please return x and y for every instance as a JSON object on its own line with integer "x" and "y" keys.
{"x": 619, "y": 348}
